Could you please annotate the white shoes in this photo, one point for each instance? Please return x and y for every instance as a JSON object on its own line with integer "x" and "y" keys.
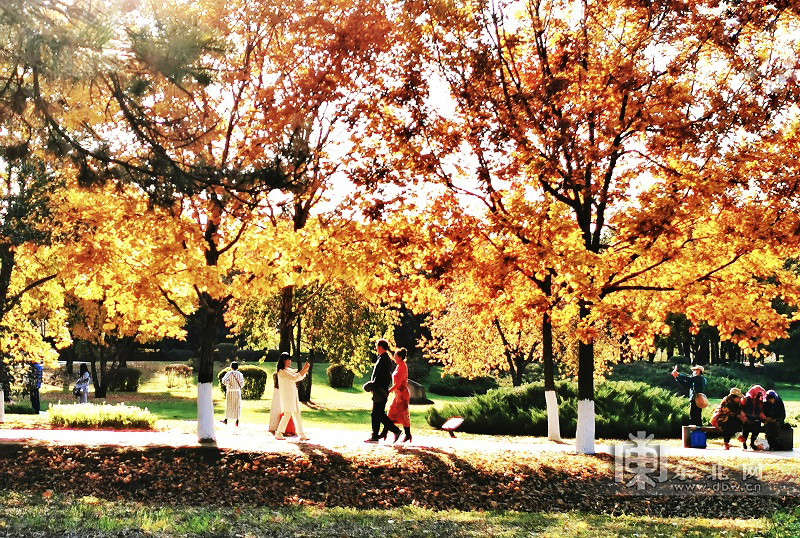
{"x": 279, "y": 436}
{"x": 303, "y": 438}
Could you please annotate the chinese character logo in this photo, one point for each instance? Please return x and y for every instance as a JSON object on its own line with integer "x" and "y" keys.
{"x": 639, "y": 464}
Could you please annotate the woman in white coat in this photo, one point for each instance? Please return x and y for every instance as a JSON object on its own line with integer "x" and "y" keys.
{"x": 287, "y": 391}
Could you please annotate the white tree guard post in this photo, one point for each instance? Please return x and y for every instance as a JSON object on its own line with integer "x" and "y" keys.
{"x": 584, "y": 438}
{"x": 205, "y": 414}
{"x": 2, "y": 406}
{"x": 553, "y": 427}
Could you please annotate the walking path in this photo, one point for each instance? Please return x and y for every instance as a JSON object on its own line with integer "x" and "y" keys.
{"x": 255, "y": 439}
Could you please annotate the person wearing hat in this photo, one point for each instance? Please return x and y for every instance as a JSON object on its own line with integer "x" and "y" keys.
{"x": 696, "y": 384}
{"x": 728, "y": 416}
{"x": 775, "y": 413}
{"x": 753, "y": 407}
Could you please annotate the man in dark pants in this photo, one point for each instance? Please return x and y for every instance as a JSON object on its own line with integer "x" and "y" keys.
{"x": 381, "y": 381}
{"x": 696, "y": 384}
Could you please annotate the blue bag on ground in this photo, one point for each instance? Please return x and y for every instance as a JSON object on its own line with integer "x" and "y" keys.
{"x": 698, "y": 439}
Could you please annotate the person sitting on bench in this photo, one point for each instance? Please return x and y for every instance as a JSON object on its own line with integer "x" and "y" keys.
{"x": 775, "y": 413}
{"x": 729, "y": 416}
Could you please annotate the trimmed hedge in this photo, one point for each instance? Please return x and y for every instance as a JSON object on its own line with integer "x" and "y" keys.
{"x": 340, "y": 377}
{"x": 621, "y": 408}
{"x": 452, "y": 385}
{"x": 100, "y": 416}
{"x": 255, "y": 381}
{"x": 125, "y": 380}
{"x": 19, "y": 408}
{"x": 719, "y": 378}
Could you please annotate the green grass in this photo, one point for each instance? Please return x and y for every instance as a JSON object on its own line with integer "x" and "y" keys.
{"x": 330, "y": 407}
{"x": 56, "y": 514}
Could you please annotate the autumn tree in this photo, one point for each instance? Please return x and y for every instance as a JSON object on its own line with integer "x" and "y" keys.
{"x": 660, "y": 129}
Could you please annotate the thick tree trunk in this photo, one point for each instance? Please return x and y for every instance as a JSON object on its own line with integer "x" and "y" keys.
{"x": 550, "y": 397}
{"x": 210, "y": 314}
{"x": 584, "y": 438}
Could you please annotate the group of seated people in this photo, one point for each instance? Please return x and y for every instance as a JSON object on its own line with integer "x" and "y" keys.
{"x": 746, "y": 414}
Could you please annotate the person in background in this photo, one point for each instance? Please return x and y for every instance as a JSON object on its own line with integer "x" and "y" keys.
{"x": 753, "y": 407}
{"x": 34, "y": 384}
{"x": 398, "y": 411}
{"x": 729, "y": 416}
{"x": 775, "y": 414}
{"x": 233, "y": 381}
{"x": 380, "y": 380}
{"x": 290, "y": 400}
{"x": 84, "y": 380}
{"x": 696, "y": 384}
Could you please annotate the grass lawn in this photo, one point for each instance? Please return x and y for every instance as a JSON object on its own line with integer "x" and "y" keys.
{"x": 347, "y": 409}
{"x": 61, "y": 515}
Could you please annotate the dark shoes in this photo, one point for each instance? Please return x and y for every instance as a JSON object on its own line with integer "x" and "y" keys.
{"x": 372, "y": 440}
{"x": 396, "y": 436}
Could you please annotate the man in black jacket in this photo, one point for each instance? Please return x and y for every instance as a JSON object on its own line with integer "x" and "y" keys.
{"x": 381, "y": 380}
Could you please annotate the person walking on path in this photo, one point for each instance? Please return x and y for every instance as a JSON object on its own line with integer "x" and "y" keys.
{"x": 398, "y": 411}
{"x": 233, "y": 381}
{"x": 380, "y": 381}
{"x": 696, "y": 384}
{"x": 84, "y": 379}
{"x": 753, "y": 407}
{"x": 34, "y": 384}
{"x": 290, "y": 400}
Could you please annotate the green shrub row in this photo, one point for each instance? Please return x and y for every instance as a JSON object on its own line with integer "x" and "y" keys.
{"x": 719, "y": 378}
{"x": 451, "y": 385}
{"x": 99, "y": 416}
{"x": 255, "y": 381}
{"x": 621, "y": 408}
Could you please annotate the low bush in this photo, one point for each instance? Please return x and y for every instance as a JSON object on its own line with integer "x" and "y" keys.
{"x": 621, "y": 408}
{"x": 340, "y": 377}
{"x": 255, "y": 381}
{"x": 125, "y": 380}
{"x": 452, "y": 385}
{"x": 19, "y": 408}
{"x": 783, "y": 371}
{"x": 100, "y": 416}
{"x": 719, "y": 378}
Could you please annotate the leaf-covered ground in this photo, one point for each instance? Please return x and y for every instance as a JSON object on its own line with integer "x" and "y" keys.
{"x": 424, "y": 477}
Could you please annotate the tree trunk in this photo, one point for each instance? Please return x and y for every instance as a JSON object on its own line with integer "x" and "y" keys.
{"x": 551, "y": 399}
{"x": 584, "y": 437}
{"x": 286, "y": 320}
{"x": 304, "y": 392}
{"x": 210, "y": 314}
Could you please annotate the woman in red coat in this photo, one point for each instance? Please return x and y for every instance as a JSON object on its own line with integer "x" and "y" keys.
{"x": 398, "y": 411}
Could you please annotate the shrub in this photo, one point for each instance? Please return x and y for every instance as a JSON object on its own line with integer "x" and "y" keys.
{"x": 340, "y": 377}
{"x": 125, "y": 380}
{"x": 255, "y": 381}
{"x": 249, "y": 355}
{"x": 100, "y": 416}
{"x": 226, "y": 352}
{"x": 452, "y": 385}
{"x": 719, "y": 378}
{"x": 621, "y": 408}
{"x": 19, "y": 408}
{"x": 679, "y": 359}
{"x": 783, "y": 371}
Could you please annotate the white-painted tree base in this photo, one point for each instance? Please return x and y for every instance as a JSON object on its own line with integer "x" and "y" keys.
{"x": 205, "y": 414}
{"x": 2, "y": 406}
{"x": 584, "y": 437}
{"x": 553, "y": 427}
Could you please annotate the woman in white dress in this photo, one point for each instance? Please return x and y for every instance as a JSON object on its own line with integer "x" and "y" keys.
{"x": 287, "y": 391}
{"x": 233, "y": 381}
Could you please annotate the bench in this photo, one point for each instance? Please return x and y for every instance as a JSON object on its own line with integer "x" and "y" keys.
{"x": 686, "y": 433}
